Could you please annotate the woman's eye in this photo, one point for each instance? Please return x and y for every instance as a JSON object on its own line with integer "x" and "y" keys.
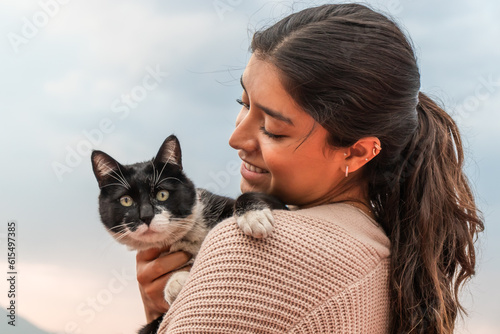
{"x": 162, "y": 195}
{"x": 269, "y": 134}
{"x": 126, "y": 201}
{"x": 240, "y": 101}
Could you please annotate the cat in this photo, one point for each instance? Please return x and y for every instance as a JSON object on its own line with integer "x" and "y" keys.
{"x": 153, "y": 204}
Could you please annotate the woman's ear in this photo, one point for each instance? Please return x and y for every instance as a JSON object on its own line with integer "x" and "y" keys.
{"x": 361, "y": 152}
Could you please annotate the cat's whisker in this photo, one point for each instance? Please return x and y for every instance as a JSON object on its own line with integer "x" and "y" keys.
{"x": 131, "y": 223}
{"x": 112, "y": 184}
{"x": 122, "y": 177}
{"x": 170, "y": 178}
{"x": 156, "y": 175}
{"x": 120, "y": 236}
{"x": 164, "y": 165}
{"x": 180, "y": 222}
{"x": 118, "y": 177}
{"x": 123, "y": 227}
{"x": 161, "y": 172}
{"x": 183, "y": 219}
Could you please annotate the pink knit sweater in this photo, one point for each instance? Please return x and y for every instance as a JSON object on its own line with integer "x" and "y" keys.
{"x": 323, "y": 270}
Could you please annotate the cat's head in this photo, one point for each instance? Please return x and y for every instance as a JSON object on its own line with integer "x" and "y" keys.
{"x": 147, "y": 204}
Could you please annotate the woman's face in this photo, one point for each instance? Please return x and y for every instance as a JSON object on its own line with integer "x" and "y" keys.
{"x": 284, "y": 152}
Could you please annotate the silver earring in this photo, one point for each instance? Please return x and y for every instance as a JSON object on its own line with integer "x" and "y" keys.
{"x": 346, "y": 171}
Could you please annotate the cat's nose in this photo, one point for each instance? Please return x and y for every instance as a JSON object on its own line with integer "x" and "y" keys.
{"x": 146, "y": 213}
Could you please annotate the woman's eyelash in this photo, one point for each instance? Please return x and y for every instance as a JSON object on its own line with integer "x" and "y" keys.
{"x": 263, "y": 129}
{"x": 242, "y": 103}
{"x": 269, "y": 134}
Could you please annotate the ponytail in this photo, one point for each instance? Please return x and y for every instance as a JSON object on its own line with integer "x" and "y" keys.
{"x": 432, "y": 221}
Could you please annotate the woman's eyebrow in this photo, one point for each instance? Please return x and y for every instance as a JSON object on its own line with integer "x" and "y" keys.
{"x": 274, "y": 114}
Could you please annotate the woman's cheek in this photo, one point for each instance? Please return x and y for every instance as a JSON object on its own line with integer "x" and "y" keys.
{"x": 282, "y": 175}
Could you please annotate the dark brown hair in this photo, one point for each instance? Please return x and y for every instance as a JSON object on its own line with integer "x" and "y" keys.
{"x": 355, "y": 73}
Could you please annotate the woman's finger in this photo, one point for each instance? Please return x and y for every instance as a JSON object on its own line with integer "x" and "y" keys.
{"x": 150, "y": 254}
{"x": 150, "y": 270}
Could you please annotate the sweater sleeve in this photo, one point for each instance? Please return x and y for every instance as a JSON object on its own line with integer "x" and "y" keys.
{"x": 309, "y": 276}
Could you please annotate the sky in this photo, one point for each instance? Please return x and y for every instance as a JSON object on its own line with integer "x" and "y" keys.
{"x": 120, "y": 76}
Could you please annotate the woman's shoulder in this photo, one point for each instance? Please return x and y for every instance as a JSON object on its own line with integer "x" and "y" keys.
{"x": 349, "y": 221}
{"x": 330, "y": 231}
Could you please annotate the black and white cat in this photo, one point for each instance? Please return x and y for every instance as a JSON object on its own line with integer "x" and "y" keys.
{"x": 153, "y": 204}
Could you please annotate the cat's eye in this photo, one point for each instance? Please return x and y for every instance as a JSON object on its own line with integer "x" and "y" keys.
{"x": 126, "y": 201}
{"x": 162, "y": 195}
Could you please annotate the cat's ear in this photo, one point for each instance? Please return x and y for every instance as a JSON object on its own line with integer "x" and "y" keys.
{"x": 170, "y": 152}
{"x": 103, "y": 166}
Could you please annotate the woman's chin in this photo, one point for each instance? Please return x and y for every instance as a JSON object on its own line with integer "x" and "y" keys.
{"x": 246, "y": 187}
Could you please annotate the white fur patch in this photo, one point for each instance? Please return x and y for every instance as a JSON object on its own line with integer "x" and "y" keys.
{"x": 174, "y": 285}
{"x": 256, "y": 223}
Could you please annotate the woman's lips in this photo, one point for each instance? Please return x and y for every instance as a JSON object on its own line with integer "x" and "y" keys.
{"x": 253, "y": 174}
{"x": 254, "y": 169}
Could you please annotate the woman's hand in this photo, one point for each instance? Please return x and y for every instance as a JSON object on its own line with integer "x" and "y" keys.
{"x": 153, "y": 271}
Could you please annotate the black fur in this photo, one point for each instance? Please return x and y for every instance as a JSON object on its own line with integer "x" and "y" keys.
{"x": 152, "y": 327}
{"x": 256, "y": 201}
{"x": 216, "y": 208}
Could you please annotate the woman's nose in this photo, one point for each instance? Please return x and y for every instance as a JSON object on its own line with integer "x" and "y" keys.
{"x": 243, "y": 136}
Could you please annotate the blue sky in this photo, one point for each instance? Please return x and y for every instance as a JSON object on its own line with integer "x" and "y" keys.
{"x": 121, "y": 76}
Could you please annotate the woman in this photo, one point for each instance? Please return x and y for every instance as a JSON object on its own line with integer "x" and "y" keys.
{"x": 332, "y": 121}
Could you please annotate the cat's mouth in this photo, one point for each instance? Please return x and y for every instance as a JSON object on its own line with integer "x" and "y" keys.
{"x": 145, "y": 231}
{"x": 149, "y": 231}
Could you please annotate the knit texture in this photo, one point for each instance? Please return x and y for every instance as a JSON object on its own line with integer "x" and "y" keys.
{"x": 323, "y": 270}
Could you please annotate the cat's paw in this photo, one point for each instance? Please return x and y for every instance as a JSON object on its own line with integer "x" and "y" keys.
{"x": 174, "y": 285}
{"x": 256, "y": 223}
